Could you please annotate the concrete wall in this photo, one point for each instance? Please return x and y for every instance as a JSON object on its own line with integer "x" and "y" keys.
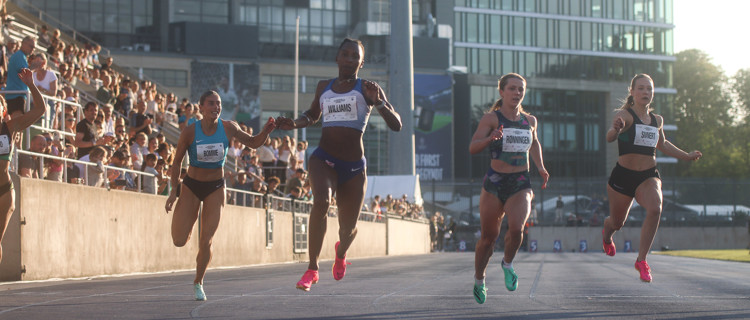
{"x": 79, "y": 231}
{"x": 675, "y": 238}
{"x": 407, "y": 237}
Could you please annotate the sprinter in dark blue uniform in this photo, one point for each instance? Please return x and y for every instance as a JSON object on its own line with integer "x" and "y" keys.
{"x": 206, "y": 142}
{"x": 338, "y": 165}
{"x": 8, "y": 130}
{"x": 639, "y": 133}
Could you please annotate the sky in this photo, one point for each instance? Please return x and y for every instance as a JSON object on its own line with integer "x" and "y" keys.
{"x": 718, "y": 27}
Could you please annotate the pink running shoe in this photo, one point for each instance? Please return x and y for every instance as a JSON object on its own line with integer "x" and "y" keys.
{"x": 644, "y": 269}
{"x": 339, "y": 265}
{"x": 609, "y": 248}
{"x": 308, "y": 279}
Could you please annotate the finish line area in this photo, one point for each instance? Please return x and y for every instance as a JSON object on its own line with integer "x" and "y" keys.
{"x": 431, "y": 286}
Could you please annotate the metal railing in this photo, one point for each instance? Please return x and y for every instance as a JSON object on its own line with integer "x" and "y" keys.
{"x": 42, "y": 156}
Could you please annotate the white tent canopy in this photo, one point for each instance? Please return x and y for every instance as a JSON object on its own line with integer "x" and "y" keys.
{"x": 396, "y": 186}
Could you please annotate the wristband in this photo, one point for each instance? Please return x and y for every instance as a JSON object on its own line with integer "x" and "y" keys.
{"x": 380, "y": 105}
{"x": 309, "y": 121}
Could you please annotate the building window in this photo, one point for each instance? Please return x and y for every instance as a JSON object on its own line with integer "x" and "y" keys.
{"x": 166, "y": 77}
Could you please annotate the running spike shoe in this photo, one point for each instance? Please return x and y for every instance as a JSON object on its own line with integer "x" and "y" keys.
{"x": 339, "y": 265}
{"x": 511, "y": 279}
{"x": 480, "y": 293}
{"x": 609, "y": 248}
{"x": 199, "y": 294}
{"x": 308, "y": 279}
{"x": 644, "y": 270}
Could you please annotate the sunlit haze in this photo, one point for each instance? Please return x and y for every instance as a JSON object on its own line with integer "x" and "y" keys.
{"x": 717, "y": 27}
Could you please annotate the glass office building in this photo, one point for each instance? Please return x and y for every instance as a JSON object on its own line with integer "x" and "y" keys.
{"x": 578, "y": 58}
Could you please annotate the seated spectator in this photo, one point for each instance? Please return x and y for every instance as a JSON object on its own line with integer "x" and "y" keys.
{"x": 43, "y": 38}
{"x": 241, "y": 183}
{"x": 163, "y": 178}
{"x": 164, "y": 152}
{"x": 54, "y": 167}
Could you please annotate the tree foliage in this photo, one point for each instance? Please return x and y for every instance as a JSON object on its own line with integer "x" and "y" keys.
{"x": 706, "y": 117}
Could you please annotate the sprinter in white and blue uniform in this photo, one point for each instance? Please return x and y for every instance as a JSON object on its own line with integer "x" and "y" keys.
{"x": 510, "y": 135}
{"x": 206, "y": 143}
{"x": 338, "y": 165}
{"x": 639, "y": 133}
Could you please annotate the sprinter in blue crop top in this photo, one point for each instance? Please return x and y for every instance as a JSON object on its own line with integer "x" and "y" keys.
{"x": 510, "y": 135}
{"x": 338, "y": 165}
{"x": 638, "y": 133}
{"x": 8, "y": 131}
{"x": 206, "y": 143}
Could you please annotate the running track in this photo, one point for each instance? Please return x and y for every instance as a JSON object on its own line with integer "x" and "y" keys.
{"x": 434, "y": 286}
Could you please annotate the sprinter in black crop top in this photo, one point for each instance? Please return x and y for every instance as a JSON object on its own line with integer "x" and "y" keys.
{"x": 10, "y": 129}
{"x": 638, "y": 133}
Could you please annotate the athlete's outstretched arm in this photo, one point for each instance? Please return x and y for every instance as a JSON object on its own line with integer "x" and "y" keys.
{"x": 670, "y": 149}
{"x": 536, "y": 152}
{"x": 307, "y": 118}
{"x": 257, "y": 140}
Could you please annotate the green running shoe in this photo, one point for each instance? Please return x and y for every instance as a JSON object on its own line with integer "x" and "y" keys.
{"x": 480, "y": 293}
{"x": 511, "y": 279}
{"x": 199, "y": 294}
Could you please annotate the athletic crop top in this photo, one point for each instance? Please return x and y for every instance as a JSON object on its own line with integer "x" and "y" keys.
{"x": 6, "y": 145}
{"x": 639, "y": 138}
{"x": 514, "y": 147}
{"x": 209, "y": 152}
{"x": 347, "y": 109}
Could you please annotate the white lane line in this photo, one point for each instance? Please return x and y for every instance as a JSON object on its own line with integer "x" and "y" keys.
{"x": 532, "y": 293}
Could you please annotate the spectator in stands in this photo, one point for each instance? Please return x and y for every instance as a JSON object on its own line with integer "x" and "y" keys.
{"x": 16, "y": 102}
{"x": 11, "y": 46}
{"x": 187, "y": 116}
{"x": 164, "y": 186}
{"x": 272, "y": 188}
{"x": 139, "y": 121}
{"x": 6, "y": 52}
{"x": 149, "y": 183}
{"x": 267, "y": 158}
{"x": 152, "y": 145}
{"x": 117, "y": 178}
{"x": 43, "y": 36}
{"x": 44, "y": 79}
{"x": 72, "y": 170}
{"x": 295, "y": 193}
{"x": 86, "y": 138}
{"x": 139, "y": 149}
{"x": 28, "y": 165}
{"x": 375, "y": 207}
{"x": 96, "y": 172}
{"x": 241, "y": 183}
{"x": 104, "y": 94}
{"x": 108, "y": 120}
{"x": 54, "y": 167}
{"x": 107, "y": 64}
{"x": 285, "y": 151}
{"x": 125, "y": 98}
{"x": 253, "y": 170}
{"x": 121, "y": 135}
{"x": 301, "y": 148}
{"x": 164, "y": 151}
{"x": 296, "y": 181}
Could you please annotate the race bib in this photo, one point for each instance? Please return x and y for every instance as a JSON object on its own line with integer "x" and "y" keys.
{"x": 343, "y": 108}
{"x": 4, "y": 144}
{"x": 516, "y": 140}
{"x": 213, "y": 152}
{"x": 646, "y": 136}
